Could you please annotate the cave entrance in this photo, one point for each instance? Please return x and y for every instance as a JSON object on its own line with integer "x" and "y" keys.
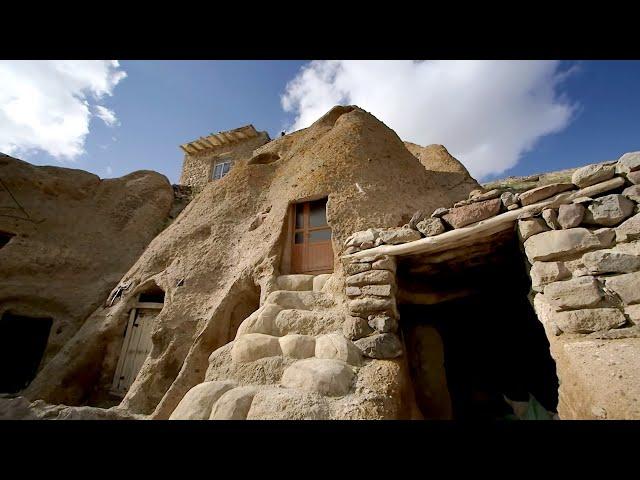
{"x": 23, "y": 341}
{"x": 471, "y": 335}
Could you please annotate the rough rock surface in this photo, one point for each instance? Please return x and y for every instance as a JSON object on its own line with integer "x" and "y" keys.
{"x": 609, "y": 210}
{"x": 629, "y": 162}
{"x": 589, "y": 320}
{"x": 325, "y": 376}
{"x": 382, "y": 346}
{"x": 592, "y": 174}
{"x": 580, "y": 292}
{"x": 555, "y": 244}
{"x": 570, "y": 216}
{"x": 466, "y": 215}
{"x": 541, "y": 193}
{"x": 198, "y": 402}
{"x": 80, "y": 234}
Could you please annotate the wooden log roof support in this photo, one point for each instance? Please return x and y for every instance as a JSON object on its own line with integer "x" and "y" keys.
{"x": 472, "y": 233}
{"x": 215, "y": 140}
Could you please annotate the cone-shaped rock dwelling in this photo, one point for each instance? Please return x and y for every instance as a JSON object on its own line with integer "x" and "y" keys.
{"x": 281, "y": 290}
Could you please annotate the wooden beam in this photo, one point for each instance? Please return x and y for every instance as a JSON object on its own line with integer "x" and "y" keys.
{"x": 462, "y": 236}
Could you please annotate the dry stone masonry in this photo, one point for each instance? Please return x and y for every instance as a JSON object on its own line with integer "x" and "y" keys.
{"x": 581, "y": 239}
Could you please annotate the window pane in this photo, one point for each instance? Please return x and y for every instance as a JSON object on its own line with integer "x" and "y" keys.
{"x": 299, "y": 215}
{"x": 217, "y": 171}
{"x": 319, "y": 235}
{"x": 225, "y": 168}
{"x": 318, "y": 213}
{"x": 299, "y": 237}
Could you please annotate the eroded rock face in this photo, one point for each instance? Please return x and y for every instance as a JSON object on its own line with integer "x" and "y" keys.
{"x": 76, "y": 235}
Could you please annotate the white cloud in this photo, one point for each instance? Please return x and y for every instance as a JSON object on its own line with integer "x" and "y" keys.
{"x": 487, "y": 113}
{"x": 107, "y": 116}
{"x": 45, "y": 105}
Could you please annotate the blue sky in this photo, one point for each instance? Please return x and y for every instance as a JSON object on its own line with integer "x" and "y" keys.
{"x": 541, "y": 116}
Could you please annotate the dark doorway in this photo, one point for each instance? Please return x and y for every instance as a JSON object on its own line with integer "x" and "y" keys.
{"x": 466, "y": 353}
{"x": 22, "y": 343}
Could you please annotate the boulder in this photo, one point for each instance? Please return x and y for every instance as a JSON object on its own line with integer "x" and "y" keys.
{"x": 298, "y": 346}
{"x": 358, "y": 238}
{"x": 589, "y": 320}
{"x": 605, "y": 235}
{"x": 542, "y": 273}
{"x": 288, "y": 404}
{"x": 354, "y": 268}
{"x": 373, "y": 277}
{"x": 416, "y": 218}
{"x": 626, "y": 286}
{"x": 580, "y": 292}
{"x": 234, "y": 404}
{"x": 367, "y": 305}
{"x": 335, "y": 346}
{"x": 325, "y": 376}
{"x": 629, "y": 162}
{"x": 570, "y": 216}
{"x": 439, "y": 212}
{"x": 508, "y": 199}
{"x": 632, "y": 193}
{"x": 556, "y": 244}
{"x": 628, "y": 230}
{"x": 430, "y": 227}
{"x": 531, "y": 226}
{"x": 592, "y": 174}
{"x": 395, "y": 236}
{"x": 634, "y": 177}
{"x": 383, "y": 323}
{"x": 610, "y": 261}
{"x": 198, "y": 402}
{"x": 466, "y": 215}
{"x": 260, "y": 321}
{"x": 538, "y": 194}
{"x": 380, "y": 346}
{"x": 355, "y": 328}
{"x": 377, "y": 290}
{"x": 633, "y": 312}
{"x": 609, "y": 210}
{"x": 253, "y": 346}
{"x": 353, "y": 291}
{"x": 551, "y": 218}
{"x": 385, "y": 263}
{"x": 479, "y": 196}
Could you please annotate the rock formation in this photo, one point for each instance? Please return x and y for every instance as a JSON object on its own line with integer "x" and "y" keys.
{"x": 73, "y": 236}
{"x": 238, "y": 336}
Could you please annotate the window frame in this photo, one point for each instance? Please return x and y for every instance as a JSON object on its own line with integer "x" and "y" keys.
{"x": 221, "y": 163}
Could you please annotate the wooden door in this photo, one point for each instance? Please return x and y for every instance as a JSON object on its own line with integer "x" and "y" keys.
{"x": 135, "y": 348}
{"x": 311, "y": 251}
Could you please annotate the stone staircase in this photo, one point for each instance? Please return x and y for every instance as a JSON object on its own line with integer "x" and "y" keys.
{"x": 287, "y": 360}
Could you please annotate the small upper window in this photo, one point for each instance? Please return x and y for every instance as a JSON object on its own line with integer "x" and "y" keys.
{"x": 221, "y": 169}
{"x": 5, "y": 237}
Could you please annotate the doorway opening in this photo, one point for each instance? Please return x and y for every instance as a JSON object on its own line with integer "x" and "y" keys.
{"x": 311, "y": 249}
{"x": 137, "y": 343}
{"x": 471, "y": 334}
{"x": 23, "y": 341}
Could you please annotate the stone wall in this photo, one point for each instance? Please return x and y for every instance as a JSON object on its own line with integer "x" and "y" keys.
{"x": 582, "y": 241}
{"x": 197, "y": 169}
